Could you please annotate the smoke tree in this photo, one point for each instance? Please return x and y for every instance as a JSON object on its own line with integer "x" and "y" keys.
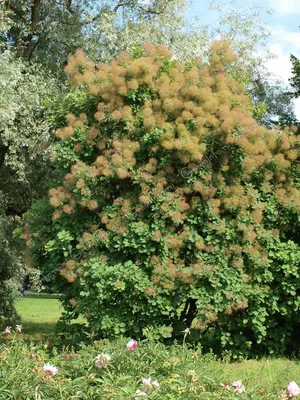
{"x": 177, "y": 209}
{"x": 36, "y": 38}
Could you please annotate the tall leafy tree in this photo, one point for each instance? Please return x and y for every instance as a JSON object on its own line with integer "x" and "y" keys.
{"x": 275, "y": 98}
{"x": 295, "y": 80}
{"x": 48, "y": 32}
{"x": 24, "y": 167}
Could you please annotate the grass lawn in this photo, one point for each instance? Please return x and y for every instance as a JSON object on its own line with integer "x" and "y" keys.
{"x": 39, "y": 314}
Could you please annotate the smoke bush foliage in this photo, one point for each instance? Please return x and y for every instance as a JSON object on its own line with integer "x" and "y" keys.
{"x": 176, "y": 209}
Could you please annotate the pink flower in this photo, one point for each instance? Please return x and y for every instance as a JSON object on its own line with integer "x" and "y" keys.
{"x": 293, "y": 389}
{"x": 149, "y": 383}
{"x": 131, "y": 345}
{"x": 102, "y": 360}
{"x": 238, "y": 386}
{"x": 18, "y": 328}
{"x": 7, "y": 331}
{"x": 50, "y": 369}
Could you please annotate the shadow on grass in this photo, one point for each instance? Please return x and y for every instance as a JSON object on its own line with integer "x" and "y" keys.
{"x": 33, "y": 332}
{"x": 41, "y": 296}
{"x": 33, "y": 328}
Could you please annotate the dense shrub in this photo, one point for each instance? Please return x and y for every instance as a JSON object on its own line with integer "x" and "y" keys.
{"x": 177, "y": 209}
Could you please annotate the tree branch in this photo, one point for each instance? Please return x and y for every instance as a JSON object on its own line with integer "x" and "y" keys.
{"x": 35, "y": 11}
{"x": 120, "y": 4}
{"x": 68, "y": 4}
{"x": 35, "y": 18}
{"x": 145, "y": 10}
{"x": 148, "y": 11}
{"x": 38, "y": 34}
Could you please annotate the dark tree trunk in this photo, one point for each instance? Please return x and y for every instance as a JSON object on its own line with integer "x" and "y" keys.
{"x": 189, "y": 312}
{"x": 29, "y": 45}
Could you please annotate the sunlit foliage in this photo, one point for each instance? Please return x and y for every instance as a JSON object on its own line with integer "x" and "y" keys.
{"x": 24, "y": 161}
{"x": 177, "y": 209}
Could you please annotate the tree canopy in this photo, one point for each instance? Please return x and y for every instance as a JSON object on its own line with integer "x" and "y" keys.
{"x": 295, "y": 81}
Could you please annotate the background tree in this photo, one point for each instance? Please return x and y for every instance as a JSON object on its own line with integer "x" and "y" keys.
{"x": 48, "y": 32}
{"x": 269, "y": 92}
{"x": 295, "y": 81}
{"x": 24, "y": 162}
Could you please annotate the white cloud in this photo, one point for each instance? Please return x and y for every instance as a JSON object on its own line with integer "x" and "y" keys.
{"x": 281, "y": 68}
{"x": 285, "y": 7}
{"x": 281, "y": 65}
{"x": 289, "y": 39}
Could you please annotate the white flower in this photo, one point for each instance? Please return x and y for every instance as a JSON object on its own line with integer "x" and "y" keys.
{"x": 139, "y": 393}
{"x": 149, "y": 383}
{"x": 18, "y": 328}
{"x": 7, "y": 331}
{"x": 50, "y": 369}
{"x": 102, "y": 360}
{"x": 238, "y": 386}
{"x": 293, "y": 389}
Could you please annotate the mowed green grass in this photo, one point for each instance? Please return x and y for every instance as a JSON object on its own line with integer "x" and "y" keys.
{"x": 39, "y": 314}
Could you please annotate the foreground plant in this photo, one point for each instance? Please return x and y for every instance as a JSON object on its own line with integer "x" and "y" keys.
{"x": 9, "y": 331}
{"x": 155, "y": 371}
{"x": 148, "y": 386}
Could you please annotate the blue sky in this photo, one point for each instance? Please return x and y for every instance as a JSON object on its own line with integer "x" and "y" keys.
{"x": 284, "y": 12}
{"x": 283, "y": 24}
